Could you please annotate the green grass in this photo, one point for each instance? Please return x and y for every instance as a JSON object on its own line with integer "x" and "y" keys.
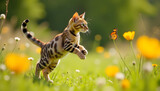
{"x": 64, "y": 76}
{"x": 67, "y": 79}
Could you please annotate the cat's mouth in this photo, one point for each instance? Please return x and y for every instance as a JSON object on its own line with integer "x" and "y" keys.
{"x": 84, "y": 30}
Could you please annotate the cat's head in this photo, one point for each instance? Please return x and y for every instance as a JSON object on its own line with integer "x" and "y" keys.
{"x": 78, "y": 23}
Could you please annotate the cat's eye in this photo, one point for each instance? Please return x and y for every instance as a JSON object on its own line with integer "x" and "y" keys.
{"x": 83, "y": 24}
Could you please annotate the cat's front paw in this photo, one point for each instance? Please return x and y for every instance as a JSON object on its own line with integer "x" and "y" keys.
{"x": 85, "y": 52}
{"x": 81, "y": 55}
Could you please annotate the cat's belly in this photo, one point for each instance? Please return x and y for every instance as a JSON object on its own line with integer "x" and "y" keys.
{"x": 59, "y": 56}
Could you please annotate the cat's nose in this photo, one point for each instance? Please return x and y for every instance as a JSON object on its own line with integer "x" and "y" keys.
{"x": 86, "y": 27}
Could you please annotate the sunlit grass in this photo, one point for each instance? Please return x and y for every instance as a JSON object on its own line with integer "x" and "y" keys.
{"x": 64, "y": 75}
{"x": 66, "y": 78}
{"x": 103, "y": 69}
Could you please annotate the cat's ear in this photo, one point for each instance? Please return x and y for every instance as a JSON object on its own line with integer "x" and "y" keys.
{"x": 75, "y": 17}
{"x": 82, "y": 15}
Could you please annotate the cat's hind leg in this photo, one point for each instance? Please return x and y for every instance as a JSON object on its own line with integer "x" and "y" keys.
{"x": 40, "y": 66}
{"x": 49, "y": 69}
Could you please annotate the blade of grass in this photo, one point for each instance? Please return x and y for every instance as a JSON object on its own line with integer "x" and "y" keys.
{"x": 121, "y": 57}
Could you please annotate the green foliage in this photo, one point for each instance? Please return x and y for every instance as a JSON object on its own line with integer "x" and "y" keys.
{"x": 66, "y": 78}
{"x": 121, "y": 14}
{"x": 102, "y": 15}
{"x": 23, "y": 9}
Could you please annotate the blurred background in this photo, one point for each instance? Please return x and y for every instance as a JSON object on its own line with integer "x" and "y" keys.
{"x": 49, "y": 17}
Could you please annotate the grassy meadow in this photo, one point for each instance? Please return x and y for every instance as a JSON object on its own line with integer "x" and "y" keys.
{"x": 126, "y": 59}
{"x": 104, "y": 69}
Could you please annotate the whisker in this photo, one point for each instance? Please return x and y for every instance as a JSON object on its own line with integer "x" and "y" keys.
{"x": 87, "y": 33}
{"x": 88, "y": 20}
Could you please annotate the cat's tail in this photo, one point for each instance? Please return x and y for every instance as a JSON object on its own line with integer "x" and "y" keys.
{"x": 29, "y": 36}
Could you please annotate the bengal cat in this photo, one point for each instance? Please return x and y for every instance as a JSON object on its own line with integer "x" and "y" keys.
{"x": 62, "y": 44}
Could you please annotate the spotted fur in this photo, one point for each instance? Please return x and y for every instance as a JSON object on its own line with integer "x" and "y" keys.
{"x": 63, "y": 43}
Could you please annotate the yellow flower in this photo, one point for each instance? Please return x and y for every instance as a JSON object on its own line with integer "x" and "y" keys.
{"x": 129, "y": 35}
{"x": 154, "y": 65}
{"x": 125, "y": 84}
{"x": 111, "y": 71}
{"x": 38, "y": 50}
{"x": 99, "y": 49}
{"x": 149, "y": 47}
{"x": 106, "y": 55}
{"x": 17, "y": 63}
{"x": 98, "y": 37}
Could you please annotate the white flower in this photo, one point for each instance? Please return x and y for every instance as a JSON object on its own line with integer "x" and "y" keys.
{"x": 110, "y": 81}
{"x": 67, "y": 78}
{"x": 147, "y": 67}
{"x": 77, "y": 71}
{"x": 101, "y": 81}
{"x": 30, "y": 59}
{"x": 17, "y": 38}
{"x": 112, "y": 51}
{"x": 2, "y": 16}
{"x": 3, "y": 48}
{"x": 6, "y": 77}
{"x": 2, "y": 67}
{"x": 134, "y": 63}
{"x": 119, "y": 76}
{"x": 27, "y": 45}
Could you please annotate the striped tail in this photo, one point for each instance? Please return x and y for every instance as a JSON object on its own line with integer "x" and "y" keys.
{"x": 29, "y": 36}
